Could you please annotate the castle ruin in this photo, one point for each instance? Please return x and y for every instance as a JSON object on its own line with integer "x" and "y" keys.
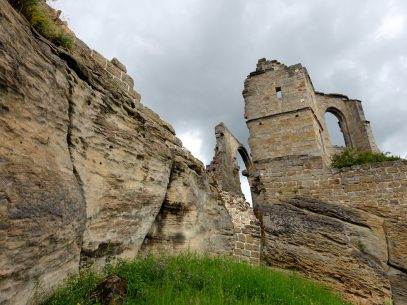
{"x": 88, "y": 174}
{"x": 345, "y": 227}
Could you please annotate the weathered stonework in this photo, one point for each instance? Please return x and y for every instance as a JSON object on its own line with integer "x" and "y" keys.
{"x": 224, "y": 167}
{"x": 285, "y": 115}
{"x": 246, "y": 226}
{"x": 346, "y": 227}
{"x": 224, "y": 171}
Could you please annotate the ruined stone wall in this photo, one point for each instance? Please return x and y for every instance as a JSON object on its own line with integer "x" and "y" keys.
{"x": 344, "y": 227}
{"x": 224, "y": 167}
{"x": 246, "y": 226}
{"x": 356, "y": 129}
{"x": 117, "y": 71}
{"x": 280, "y": 111}
{"x": 286, "y": 116}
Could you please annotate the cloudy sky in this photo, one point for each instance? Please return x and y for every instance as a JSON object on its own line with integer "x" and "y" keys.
{"x": 189, "y": 58}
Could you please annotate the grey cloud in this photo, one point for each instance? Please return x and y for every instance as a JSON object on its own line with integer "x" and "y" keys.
{"x": 189, "y": 58}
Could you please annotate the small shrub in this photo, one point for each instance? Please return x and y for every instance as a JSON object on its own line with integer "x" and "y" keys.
{"x": 350, "y": 157}
{"x": 39, "y": 16}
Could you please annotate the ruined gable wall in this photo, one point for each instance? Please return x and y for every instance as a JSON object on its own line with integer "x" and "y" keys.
{"x": 224, "y": 167}
{"x": 356, "y": 129}
{"x": 224, "y": 171}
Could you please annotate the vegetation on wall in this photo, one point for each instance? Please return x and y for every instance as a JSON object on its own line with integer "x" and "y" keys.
{"x": 40, "y": 17}
{"x": 349, "y": 157}
{"x": 189, "y": 279}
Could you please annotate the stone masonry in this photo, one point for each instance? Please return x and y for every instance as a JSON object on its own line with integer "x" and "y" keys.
{"x": 285, "y": 115}
{"x": 247, "y": 228}
{"x": 345, "y": 227}
{"x": 224, "y": 171}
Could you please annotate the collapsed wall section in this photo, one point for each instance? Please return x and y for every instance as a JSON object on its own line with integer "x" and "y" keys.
{"x": 247, "y": 229}
{"x": 224, "y": 172}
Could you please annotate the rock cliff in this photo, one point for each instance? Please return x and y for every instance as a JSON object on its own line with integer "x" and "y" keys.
{"x": 86, "y": 171}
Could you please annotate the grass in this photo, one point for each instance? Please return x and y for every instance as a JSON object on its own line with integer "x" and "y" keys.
{"x": 39, "y": 16}
{"x": 188, "y": 279}
{"x": 350, "y": 157}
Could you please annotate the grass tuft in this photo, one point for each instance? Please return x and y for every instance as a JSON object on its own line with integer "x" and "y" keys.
{"x": 189, "y": 279}
{"x": 349, "y": 157}
{"x": 39, "y": 16}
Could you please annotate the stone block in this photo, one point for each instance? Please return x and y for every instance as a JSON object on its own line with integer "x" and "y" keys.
{"x": 241, "y": 237}
{"x": 239, "y": 245}
{"x": 113, "y": 70}
{"x": 255, "y": 254}
{"x": 246, "y": 253}
{"x": 118, "y": 64}
{"x": 128, "y": 80}
{"x": 99, "y": 59}
{"x": 237, "y": 251}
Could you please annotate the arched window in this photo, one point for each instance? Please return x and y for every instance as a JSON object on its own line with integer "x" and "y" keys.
{"x": 337, "y": 128}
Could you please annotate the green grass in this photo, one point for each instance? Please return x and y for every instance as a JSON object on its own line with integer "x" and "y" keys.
{"x": 350, "y": 157}
{"x": 39, "y": 16}
{"x": 189, "y": 279}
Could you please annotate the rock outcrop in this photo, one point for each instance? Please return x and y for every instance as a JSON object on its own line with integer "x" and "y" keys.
{"x": 86, "y": 171}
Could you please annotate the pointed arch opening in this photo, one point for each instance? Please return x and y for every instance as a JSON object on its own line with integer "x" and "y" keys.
{"x": 337, "y": 128}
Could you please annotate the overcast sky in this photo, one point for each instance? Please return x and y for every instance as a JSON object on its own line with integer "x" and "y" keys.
{"x": 189, "y": 58}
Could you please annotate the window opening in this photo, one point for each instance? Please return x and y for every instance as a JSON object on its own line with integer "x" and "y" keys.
{"x": 244, "y": 183}
{"x": 279, "y": 93}
{"x": 334, "y": 130}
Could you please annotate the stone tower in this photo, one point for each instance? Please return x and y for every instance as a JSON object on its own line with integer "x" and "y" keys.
{"x": 286, "y": 116}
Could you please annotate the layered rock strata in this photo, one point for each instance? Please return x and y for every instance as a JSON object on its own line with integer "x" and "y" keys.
{"x": 85, "y": 168}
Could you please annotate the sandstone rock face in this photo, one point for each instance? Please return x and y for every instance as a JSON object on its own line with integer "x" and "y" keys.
{"x": 42, "y": 207}
{"x": 193, "y": 216}
{"x": 85, "y": 169}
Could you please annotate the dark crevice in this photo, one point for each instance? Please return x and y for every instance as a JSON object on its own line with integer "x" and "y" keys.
{"x": 401, "y": 269}
{"x": 389, "y": 262}
{"x": 159, "y": 214}
{"x": 73, "y": 64}
{"x": 71, "y": 146}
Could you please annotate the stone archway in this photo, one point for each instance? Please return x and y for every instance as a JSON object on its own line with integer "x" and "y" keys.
{"x": 343, "y": 126}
